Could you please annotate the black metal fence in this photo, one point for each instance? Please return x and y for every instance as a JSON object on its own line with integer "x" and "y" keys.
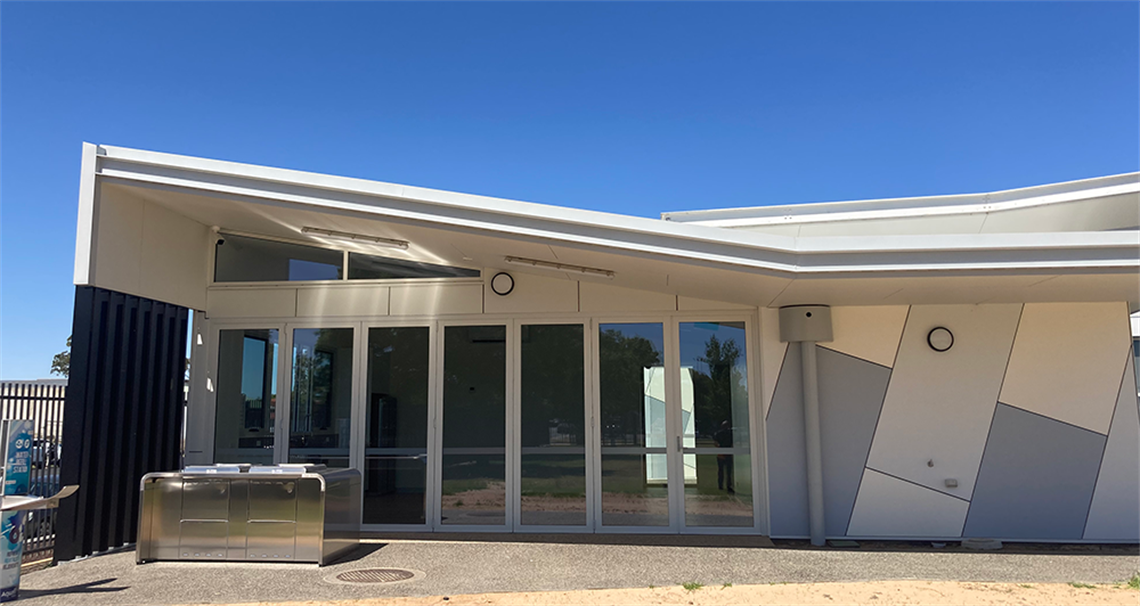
{"x": 42, "y": 403}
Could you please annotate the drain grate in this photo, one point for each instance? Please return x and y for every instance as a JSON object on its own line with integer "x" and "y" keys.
{"x": 375, "y": 575}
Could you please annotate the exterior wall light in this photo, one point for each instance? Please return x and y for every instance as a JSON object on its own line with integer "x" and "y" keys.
{"x": 564, "y": 267}
{"x": 940, "y": 339}
{"x": 502, "y": 284}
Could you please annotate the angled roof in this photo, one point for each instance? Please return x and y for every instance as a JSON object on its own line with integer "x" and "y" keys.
{"x": 681, "y": 256}
{"x": 1098, "y": 204}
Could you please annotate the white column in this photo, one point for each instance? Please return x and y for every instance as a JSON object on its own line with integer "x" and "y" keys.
{"x": 813, "y": 443}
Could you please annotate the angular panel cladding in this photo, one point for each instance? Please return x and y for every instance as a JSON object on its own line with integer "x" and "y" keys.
{"x": 890, "y": 507}
{"x": 868, "y": 333}
{"x": 939, "y": 404}
{"x": 772, "y": 352}
{"x": 1066, "y": 362}
{"x": 787, "y": 465}
{"x": 851, "y": 394}
{"x": 1115, "y": 511}
{"x": 1036, "y": 479}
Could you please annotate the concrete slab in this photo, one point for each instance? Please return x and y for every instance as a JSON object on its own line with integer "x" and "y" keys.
{"x": 499, "y": 564}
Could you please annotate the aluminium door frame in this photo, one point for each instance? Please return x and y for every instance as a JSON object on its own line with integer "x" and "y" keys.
{"x": 209, "y": 409}
{"x": 355, "y": 409}
{"x": 509, "y": 436}
{"x": 514, "y": 418}
{"x": 360, "y": 432}
{"x": 750, "y": 320}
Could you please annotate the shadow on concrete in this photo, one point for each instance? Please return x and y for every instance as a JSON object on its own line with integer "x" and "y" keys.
{"x": 362, "y": 551}
{"x": 80, "y": 588}
{"x": 667, "y": 540}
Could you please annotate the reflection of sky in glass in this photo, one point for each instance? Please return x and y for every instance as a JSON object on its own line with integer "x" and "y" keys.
{"x": 654, "y": 333}
{"x": 253, "y": 365}
{"x": 695, "y": 335}
{"x": 299, "y": 269}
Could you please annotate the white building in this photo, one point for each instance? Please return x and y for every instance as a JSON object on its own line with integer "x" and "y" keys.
{"x": 491, "y": 364}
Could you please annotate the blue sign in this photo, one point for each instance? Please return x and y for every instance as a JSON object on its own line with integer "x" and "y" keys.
{"x": 16, "y": 439}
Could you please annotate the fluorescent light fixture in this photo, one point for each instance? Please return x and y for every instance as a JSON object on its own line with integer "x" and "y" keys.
{"x": 358, "y": 238}
{"x": 571, "y": 269}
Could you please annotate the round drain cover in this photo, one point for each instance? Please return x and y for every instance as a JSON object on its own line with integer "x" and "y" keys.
{"x": 375, "y": 575}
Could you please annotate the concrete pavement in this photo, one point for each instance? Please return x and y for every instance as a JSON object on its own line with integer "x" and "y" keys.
{"x": 549, "y": 563}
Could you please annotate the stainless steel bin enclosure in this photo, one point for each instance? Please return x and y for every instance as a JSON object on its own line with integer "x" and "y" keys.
{"x": 283, "y": 513}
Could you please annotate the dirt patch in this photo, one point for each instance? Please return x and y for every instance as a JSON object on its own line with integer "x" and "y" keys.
{"x": 932, "y": 593}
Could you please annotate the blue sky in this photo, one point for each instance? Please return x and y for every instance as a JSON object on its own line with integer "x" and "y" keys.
{"x": 633, "y": 108}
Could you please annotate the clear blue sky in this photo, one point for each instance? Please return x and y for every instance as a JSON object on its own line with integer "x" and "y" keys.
{"x": 632, "y": 108}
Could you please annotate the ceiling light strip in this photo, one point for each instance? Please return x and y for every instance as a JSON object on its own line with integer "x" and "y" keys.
{"x": 552, "y": 265}
{"x": 358, "y": 238}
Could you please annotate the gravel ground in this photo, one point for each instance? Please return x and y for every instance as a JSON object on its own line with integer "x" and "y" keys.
{"x": 478, "y": 565}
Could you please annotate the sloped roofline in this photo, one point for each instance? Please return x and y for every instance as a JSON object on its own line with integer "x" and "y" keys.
{"x": 846, "y": 256}
{"x": 925, "y": 206}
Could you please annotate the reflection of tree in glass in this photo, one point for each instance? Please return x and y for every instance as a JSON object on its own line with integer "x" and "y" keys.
{"x": 553, "y": 410}
{"x": 622, "y": 363}
{"x": 715, "y": 391}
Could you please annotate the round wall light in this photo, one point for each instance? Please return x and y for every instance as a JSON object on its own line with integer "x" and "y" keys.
{"x": 940, "y": 339}
{"x": 502, "y": 284}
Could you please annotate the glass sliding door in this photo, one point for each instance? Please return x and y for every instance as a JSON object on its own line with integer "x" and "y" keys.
{"x": 553, "y": 425}
{"x": 473, "y": 466}
{"x": 396, "y": 426}
{"x": 634, "y": 430}
{"x": 246, "y": 405}
{"x": 320, "y": 409}
{"x": 716, "y": 460}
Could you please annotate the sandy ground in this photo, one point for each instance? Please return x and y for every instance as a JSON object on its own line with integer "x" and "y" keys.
{"x": 876, "y": 593}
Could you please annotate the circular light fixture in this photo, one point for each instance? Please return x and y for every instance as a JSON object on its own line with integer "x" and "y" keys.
{"x": 502, "y": 284}
{"x": 940, "y": 339}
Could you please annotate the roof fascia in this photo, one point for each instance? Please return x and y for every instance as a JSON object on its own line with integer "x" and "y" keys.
{"x": 573, "y": 227}
{"x": 930, "y": 206}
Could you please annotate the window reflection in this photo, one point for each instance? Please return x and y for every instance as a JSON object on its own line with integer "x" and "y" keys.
{"x": 321, "y": 399}
{"x": 246, "y": 396}
{"x": 714, "y": 418}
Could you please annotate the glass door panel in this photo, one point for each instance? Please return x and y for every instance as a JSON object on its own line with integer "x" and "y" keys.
{"x": 553, "y": 422}
{"x": 396, "y": 426}
{"x": 716, "y": 460}
{"x": 246, "y": 405}
{"x": 321, "y": 400}
{"x": 473, "y": 482}
{"x": 634, "y": 459}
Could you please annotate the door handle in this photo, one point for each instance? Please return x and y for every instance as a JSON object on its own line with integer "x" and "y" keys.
{"x": 678, "y": 443}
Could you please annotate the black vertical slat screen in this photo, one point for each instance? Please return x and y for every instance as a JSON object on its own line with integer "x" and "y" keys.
{"x": 124, "y": 414}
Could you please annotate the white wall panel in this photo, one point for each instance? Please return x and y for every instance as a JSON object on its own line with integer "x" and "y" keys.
{"x": 118, "y": 245}
{"x": 150, "y": 251}
{"x": 889, "y": 507}
{"x": 436, "y": 299}
{"x": 369, "y": 300}
{"x": 251, "y": 303}
{"x": 1115, "y": 511}
{"x": 596, "y": 297}
{"x": 532, "y": 294}
{"x": 174, "y": 263}
{"x": 1066, "y": 362}
{"x": 871, "y": 333}
{"x": 692, "y": 304}
{"x": 771, "y": 355}
{"x": 939, "y": 405}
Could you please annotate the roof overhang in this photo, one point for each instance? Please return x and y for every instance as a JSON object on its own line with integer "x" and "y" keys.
{"x": 274, "y": 201}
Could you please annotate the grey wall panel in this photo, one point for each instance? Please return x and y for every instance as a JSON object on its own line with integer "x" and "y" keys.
{"x": 851, "y": 393}
{"x": 1115, "y": 511}
{"x": 787, "y": 467}
{"x": 1036, "y": 479}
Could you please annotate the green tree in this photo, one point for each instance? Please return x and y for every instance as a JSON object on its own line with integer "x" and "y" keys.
{"x": 61, "y": 362}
